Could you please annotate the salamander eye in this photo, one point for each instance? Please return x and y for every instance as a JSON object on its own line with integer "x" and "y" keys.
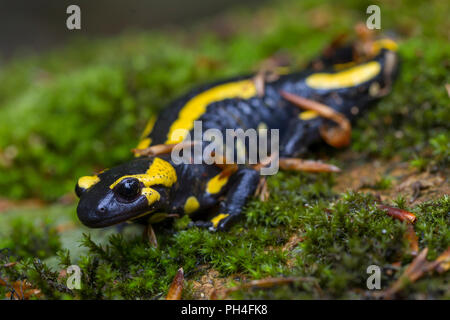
{"x": 128, "y": 189}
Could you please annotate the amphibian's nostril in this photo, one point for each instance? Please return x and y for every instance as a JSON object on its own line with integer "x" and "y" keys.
{"x": 101, "y": 209}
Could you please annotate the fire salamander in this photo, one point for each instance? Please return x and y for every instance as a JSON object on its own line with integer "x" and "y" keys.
{"x": 149, "y": 189}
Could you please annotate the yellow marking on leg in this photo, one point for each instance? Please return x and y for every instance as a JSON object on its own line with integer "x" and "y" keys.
{"x": 215, "y": 221}
{"x": 344, "y": 79}
{"x": 196, "y": 106}
{"x": 216, "y": 184}
{"x": 160, "y": 172}
{"x": 88, "y": 181}
{"x": 191, "y": 205}
{"x": 151, "y": 194}
{"x": 308, "y": 115}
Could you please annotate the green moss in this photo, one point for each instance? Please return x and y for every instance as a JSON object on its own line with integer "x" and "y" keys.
{"x": 433, "y": 221}
{"x": 382, "y": 183}
{"x": 340, "y": 240}
{"x": 441, "y": 149}
{"x": 28, "y": 238}
{"x": 340, "y": 244}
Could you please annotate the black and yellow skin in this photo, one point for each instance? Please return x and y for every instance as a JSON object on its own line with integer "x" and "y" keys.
{"x": 102, "y": 205}
{"x": 147, "y": 189}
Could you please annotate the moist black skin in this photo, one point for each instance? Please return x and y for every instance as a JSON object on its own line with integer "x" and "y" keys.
{"x": 100, "y": 206}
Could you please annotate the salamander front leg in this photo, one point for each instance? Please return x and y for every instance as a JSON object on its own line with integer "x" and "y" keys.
{"x": 242, "y": 185}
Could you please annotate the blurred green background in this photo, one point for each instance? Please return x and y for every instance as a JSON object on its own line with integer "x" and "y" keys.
{"x": 75, "y": 103}
{"x": 81, "y": 108}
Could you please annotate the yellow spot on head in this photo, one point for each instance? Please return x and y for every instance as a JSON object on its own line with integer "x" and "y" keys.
{"x": 215, "y": 221}
{"x": 343, "y": 79}
{"x": 196, "y": 106}
{"x": 88, "y": 181}
{"x": 307, "y": 115}
{"x": 151, "y": 195}
{"x": 215, "y": 184}
{"x": 191, "y": 205}
{"x": 160, "y": 172}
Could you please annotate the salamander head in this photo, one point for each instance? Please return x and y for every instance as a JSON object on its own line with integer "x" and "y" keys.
{"x": 125, "y": 192}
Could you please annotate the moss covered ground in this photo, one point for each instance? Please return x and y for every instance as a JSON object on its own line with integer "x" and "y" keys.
{"x": 325, "y": 229}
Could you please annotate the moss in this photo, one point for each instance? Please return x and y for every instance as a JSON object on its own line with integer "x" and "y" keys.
{"x": 28, "y": 238}
{"x": 433, "y": 221}
{"x": 339, "y": 246}
{"x": 441, "y": 149}
{"x": 340, "y": 239}
{"x": 382, "y": 183}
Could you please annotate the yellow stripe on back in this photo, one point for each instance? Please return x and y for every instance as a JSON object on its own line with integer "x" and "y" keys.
{"x": 308, "y": 115}
{"x": 145, "y": 143}
{"x": 196, "y": 106}
{"x": 344, "y": 79}
{"x": 384, "y": 43}
{"x": 149, "y": 127}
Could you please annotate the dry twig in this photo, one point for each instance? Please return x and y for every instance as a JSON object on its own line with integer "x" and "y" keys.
{"x": 176, "y": 288}
{"x": 337, "y": 137}
{"x": 398, "y": 214}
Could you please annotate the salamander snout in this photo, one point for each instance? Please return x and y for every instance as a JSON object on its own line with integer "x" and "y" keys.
{"x": 127, "y": 192}
{"x": 101, "y": 209}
